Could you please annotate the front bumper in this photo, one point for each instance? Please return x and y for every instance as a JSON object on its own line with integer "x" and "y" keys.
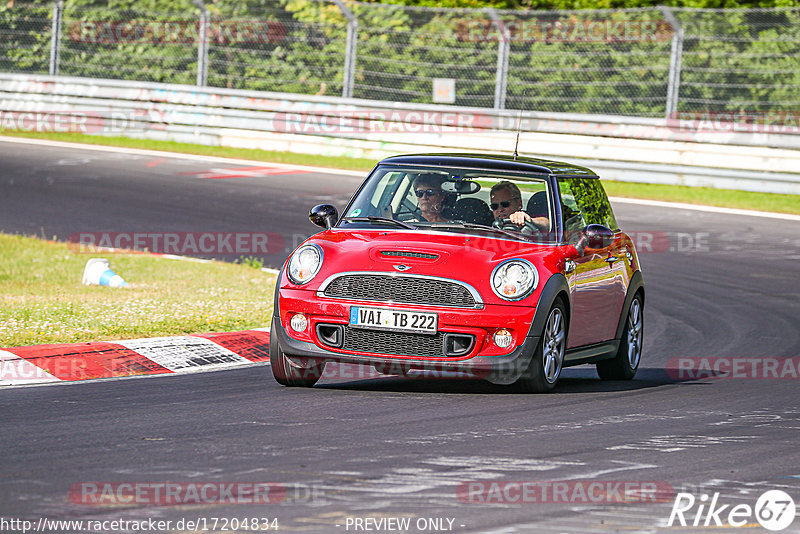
{"x": 485, "y": 359}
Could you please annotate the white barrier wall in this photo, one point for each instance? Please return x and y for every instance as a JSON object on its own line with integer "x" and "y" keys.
{"x": 717, "y": 154}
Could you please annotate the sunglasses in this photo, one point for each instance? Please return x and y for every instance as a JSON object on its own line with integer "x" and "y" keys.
{"x": 504, "y": 203}
{"x": 426, "y": 192}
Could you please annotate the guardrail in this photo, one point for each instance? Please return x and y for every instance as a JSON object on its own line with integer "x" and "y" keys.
{"x": 709, "y": 153}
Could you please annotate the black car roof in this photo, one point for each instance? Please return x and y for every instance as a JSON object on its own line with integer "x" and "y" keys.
{"x": 491, "y": 161}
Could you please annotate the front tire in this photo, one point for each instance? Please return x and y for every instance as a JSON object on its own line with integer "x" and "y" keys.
{"x": 624, "y": 365}
{"x": 545, "y": 367}
{"x": 287, "y": 374}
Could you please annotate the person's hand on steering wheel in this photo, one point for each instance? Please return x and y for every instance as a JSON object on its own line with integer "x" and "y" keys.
{"x": 523, "y": 223}
{"x": 528, "y": 228}
{"x": 521, "y": 218}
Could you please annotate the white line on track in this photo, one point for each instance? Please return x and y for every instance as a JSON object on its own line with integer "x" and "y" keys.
{"x": 709, "y": 209}
{"x": 326, "y": 170}
{"x": 178, "y": 155}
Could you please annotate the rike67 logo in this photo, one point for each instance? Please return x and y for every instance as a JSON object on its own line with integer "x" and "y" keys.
{"x": 774, "y": 510}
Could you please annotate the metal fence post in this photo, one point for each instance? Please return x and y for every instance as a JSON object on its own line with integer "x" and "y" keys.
{"x": 501, "y": 78}
{"x": 202, "y": 46}
{"x": 350, "y": 50}
{"x": 675, "y": 59}
{"x": 55, "y": 37}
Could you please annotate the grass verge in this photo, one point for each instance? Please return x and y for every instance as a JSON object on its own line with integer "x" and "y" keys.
{"x": 707, "y": 196}
{"x": 42, "y": 299}
{"x": 669, "y": 193}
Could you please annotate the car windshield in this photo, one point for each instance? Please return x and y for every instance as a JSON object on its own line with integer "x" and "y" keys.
{"x": 475, "y": 201}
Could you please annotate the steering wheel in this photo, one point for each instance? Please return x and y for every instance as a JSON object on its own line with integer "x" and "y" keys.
{"x": 404, "y": 209}
{"x": 529, "y": 228}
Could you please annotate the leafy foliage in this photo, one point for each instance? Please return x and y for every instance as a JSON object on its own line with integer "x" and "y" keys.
{"x": 593, "y": 4}
{"x": 733, "y": 60}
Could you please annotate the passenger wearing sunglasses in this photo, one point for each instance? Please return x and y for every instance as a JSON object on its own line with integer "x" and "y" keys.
{"x": 506, "y": 203}
{"x": 430, "y": 197}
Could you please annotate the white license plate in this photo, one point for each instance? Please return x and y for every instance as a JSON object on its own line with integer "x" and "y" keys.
{"x": 392, "y": 319}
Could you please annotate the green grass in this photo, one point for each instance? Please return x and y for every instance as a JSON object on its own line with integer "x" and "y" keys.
{"x": 707, "y": 196}
{"x": 42, "y": 299}
{"x": 670, "y": 193}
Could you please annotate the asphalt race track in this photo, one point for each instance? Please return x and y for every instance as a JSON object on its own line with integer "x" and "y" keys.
{"x": 718, "y": 286}
{"x": 60, "y": 192}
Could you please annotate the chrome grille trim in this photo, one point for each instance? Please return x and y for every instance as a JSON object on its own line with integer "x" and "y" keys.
{"x": 472, "y": 291}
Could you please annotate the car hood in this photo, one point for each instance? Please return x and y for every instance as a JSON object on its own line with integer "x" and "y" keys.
{"x": 467, "y": 258}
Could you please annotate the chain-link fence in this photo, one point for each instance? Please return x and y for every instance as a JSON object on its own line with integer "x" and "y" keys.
{"x": 740, "y": 60}
{"x": 128, "y": 44}
{"x": 647, "y": 62}
{"x": 25, "y": 38}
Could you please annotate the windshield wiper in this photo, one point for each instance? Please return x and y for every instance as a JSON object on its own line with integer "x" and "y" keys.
{"x": 380, "y": 219}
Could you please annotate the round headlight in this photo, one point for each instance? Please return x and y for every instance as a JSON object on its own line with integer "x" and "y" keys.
{"x": 304, "y": 264}
{"x": 514, "y": 279}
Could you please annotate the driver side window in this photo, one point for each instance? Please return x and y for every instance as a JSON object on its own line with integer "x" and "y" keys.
{"x": 583, "y": 202}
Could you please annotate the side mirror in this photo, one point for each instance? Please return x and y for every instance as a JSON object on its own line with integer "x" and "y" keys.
{"x": 598, "y": 236}
{"x": 323, "y": 215}
{"x": 594, "y": 236}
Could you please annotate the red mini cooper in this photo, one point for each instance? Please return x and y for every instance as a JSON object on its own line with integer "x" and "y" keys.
{"x": 508, "y": 269}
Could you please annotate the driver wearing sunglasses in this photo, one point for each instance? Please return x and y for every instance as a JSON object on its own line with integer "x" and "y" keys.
{"x": 506, "y": 203}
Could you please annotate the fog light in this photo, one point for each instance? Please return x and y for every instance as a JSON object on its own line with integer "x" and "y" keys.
{"x": 503, "y": 338}
{"x": 299, "y": 322}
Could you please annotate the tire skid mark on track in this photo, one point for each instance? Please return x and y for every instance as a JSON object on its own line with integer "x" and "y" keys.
{"x": 502, "y": 431}
{"x": 677, "y": 443}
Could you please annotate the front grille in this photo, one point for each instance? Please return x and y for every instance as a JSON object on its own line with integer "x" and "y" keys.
{"x": 401, "y": 343}
{"x": 401, "y": 289}
{"x": 404, "y": 254}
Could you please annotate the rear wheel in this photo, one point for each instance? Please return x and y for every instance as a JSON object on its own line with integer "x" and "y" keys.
{"x": 290, "y": 375}
{"x": 626, "y": 362}
{"x": 545, "y": 367}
